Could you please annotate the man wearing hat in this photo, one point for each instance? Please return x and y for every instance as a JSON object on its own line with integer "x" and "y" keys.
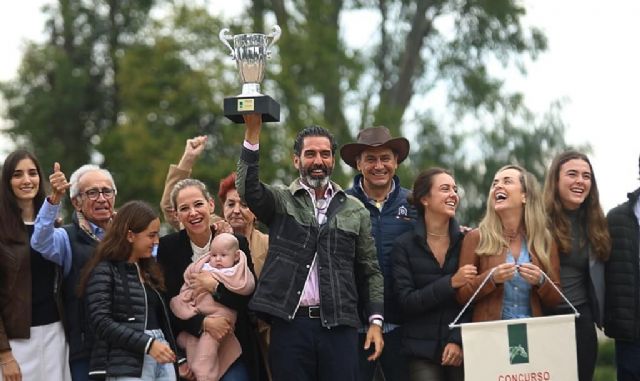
{"x": 376, "y": 156}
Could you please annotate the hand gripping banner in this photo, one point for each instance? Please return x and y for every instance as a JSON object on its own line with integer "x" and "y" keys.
{"x": 530, "y": 349}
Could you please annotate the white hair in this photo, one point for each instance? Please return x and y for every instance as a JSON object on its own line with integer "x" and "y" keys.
{"x": 75, "y": 178}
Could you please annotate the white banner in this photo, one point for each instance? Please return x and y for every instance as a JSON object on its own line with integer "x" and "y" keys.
{"x": 532, "y": 349}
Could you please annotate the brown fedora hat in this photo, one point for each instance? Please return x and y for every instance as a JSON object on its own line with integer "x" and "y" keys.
{"x": 374, "y": 137}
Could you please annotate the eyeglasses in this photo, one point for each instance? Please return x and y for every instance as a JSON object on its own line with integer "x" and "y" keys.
{"x": 94, "y": 193}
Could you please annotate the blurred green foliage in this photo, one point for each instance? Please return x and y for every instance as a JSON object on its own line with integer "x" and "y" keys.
{"x": 124, "y": 84}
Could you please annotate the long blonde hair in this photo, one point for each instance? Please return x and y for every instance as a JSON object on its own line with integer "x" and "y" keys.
{"x": 492, "y": 240}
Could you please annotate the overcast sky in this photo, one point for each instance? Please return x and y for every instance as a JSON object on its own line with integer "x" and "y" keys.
{"x": 593, "y": 62}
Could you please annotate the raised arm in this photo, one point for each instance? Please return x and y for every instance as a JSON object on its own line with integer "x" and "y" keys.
{"x": 192, "y": 150}
{"x": 258, "y": 197}
{"x": 51, "y": 242}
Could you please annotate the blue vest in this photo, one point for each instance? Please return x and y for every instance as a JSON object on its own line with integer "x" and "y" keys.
{"x": 396, "y": 217}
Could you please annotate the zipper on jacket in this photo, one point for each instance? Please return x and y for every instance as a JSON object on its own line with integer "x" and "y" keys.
{"x": 167, "y": 320}
{"x": 144, "y": 292}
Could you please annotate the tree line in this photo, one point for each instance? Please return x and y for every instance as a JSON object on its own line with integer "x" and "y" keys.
{"x": 125, "y": 83}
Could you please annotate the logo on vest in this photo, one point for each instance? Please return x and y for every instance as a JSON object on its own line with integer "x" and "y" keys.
{"x": 402, "y": 211}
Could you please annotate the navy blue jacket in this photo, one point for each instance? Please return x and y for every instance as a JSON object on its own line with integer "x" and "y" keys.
{"x": 396, "y": 217}
{"x": 423, "y": 290}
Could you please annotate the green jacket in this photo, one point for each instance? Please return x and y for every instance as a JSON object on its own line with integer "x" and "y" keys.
{"x": 346, "y": 255}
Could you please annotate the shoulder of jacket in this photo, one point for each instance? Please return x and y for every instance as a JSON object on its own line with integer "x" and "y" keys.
{"x": 355, "y": 202}
{"x": 173, "y": 239}
{"x": 71, "y": 228}
{"x": 104, "y": 266}
{"x": 621, "y": 211}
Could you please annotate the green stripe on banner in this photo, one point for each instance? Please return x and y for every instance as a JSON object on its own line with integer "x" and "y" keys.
{"x": 518, "y": 344}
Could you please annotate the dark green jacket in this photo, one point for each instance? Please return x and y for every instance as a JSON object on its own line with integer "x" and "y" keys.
{"x": 346, "y": 255}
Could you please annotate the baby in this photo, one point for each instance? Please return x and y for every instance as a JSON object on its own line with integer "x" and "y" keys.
{"x": 208, "y": 358}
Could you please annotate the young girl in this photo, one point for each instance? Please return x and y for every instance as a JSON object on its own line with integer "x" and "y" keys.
{"x": 209, "y": 357}
{"x": 122, "y": 283}
{"x": 32, "y": 341}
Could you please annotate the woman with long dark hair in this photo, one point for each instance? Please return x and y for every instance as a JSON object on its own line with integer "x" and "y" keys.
{"x": 580, "y": 230}
{"x": 123, "y": 285}
{"x": 32, "y": 341}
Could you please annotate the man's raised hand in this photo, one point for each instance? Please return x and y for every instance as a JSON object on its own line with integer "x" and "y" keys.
{"x": 59, "y": 184}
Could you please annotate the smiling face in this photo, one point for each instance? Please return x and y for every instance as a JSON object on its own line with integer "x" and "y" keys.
{"x": 193, "y": 210}
{"x": 315, "y": 162}
{"x": 442, "y": 198}
{"x": 25, "y": 180}
{"x": 143, "y": 243}
{"x": 378, "y": 166}
{"x": 574, "y": 183}
{"x": 100, "y": 210}
{"x": 506, "y": 190}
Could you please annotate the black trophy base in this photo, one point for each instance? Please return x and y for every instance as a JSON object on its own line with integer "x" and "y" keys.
{"x": 236, "y": 107}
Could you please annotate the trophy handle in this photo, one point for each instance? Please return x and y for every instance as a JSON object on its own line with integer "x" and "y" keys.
{"x": 225, "y": 37}
{"x": 274, "y": 36}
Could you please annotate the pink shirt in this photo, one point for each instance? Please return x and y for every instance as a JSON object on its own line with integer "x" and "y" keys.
{"x": 311, "y": 292}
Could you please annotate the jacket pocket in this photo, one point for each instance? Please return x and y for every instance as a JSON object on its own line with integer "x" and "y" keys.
{"x": 291, "y": 233}
{"x": 346, "y": 236}
{"x": 279, "y": 279}
{"x": 347, "y": 293}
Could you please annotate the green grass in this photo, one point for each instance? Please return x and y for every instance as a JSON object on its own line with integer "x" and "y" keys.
{"x": 605, "y": 366}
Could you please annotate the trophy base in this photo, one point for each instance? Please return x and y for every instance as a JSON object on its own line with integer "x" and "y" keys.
{"x": 236, "y": 107}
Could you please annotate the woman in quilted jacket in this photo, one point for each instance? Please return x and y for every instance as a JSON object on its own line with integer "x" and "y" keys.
{"x": 122, "y": 285}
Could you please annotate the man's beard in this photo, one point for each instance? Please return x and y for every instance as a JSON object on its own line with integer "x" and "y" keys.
{"x": 315, "y": 182}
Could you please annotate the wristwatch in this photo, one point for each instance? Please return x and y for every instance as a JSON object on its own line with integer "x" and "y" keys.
{"x": 377, "y": 322}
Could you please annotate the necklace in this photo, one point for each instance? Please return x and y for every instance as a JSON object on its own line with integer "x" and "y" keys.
{"x": 322, "y": 203}
{"x": 437, "y": 235}
{"x": 510, "y": 236}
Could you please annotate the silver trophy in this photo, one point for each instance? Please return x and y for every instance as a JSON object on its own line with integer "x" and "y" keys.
{"x": 251, "y": 51}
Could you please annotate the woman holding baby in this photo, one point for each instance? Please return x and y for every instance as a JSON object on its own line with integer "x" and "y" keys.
{"x": 193, "y": 206}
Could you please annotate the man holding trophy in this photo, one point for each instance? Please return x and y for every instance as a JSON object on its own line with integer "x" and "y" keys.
{"x": 322, "y": 259}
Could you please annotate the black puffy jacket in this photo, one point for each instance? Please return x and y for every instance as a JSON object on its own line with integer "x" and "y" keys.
{"x": 117, "y": 309}
{"x": 424, "y": 293}
{"x": 622, "y": 273}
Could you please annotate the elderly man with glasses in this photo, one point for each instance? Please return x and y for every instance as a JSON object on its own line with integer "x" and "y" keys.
{"x": 93, "y": 195}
